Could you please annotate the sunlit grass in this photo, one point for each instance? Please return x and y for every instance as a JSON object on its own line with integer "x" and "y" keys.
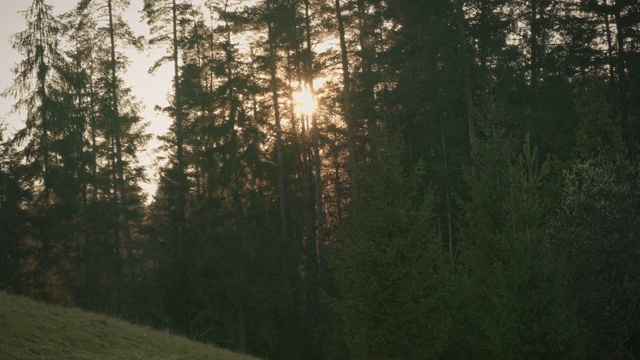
{"x": 31, "y": 330}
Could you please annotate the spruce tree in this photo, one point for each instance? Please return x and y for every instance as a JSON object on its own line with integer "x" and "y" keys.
{"x": 390, "y": 267}
{"x": 514, "y": 295}
{"x": 14, "y": 220}
{"x": 595, "y": 231}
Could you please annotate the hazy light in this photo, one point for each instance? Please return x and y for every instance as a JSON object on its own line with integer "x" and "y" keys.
{"x": 305, "y": 104}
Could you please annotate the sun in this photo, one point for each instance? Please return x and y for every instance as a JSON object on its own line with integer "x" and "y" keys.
{"x": 305, "y": 104}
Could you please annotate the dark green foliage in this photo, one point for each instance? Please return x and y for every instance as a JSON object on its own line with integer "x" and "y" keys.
{"x": 599, "y": 132}
{"x": 596, "y": 230}
{"x": 514, "y": 284}
{"x": 14, "y": 221}
{"x": 66, "y": 158}
{"x": 391, "y": 269}
{"x": 38, "y": 44}
{"x": 299, "y": 237}
{"x": 597, "y": 233}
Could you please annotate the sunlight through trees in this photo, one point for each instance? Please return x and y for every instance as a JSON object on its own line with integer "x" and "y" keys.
{"x": 340, "y": 179}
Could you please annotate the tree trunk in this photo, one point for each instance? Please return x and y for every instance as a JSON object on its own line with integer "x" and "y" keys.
{"x": 182, "y": 186}
{"x": 116, "y": 128}
{"x": 607, "y": 25}
{"x": 318, "y": 245}
{"x": 534, "y": 48}
{"x": 44, "y": 113}
{"x": 368, "y": 53}
{"x": 348, "y": 114}
{"x": 467, "y": 81}
{"x": 448, "y": 201}
{"x": 276, "y": 114}
{"x": 623, "y": 96}
{"x": 236, "y": 187}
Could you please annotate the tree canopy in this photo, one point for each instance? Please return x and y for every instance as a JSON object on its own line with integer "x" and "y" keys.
{"x": 465, "y": 182}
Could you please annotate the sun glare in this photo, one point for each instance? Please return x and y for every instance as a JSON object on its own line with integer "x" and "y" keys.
{"x": 305, "y": 104}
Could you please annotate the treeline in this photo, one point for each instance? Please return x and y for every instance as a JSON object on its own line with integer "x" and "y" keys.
{"x": 468, "y": 185}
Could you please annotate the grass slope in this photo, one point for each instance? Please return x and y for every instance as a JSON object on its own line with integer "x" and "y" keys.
{"x": 31, "y": 330}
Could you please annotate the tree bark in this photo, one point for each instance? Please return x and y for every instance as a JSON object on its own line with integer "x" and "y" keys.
{"x": 623, "y": 96}
{"x": 119, "y": 166}
{"x": 276, "y": 114}
{"x": 318, "y": 245}
{"x": 607, "y": 25}
{"x": 367, "y": 58}
{"x": 467, "y": 80}
{"x": 534, "y": 47}
{"x": 182, "y": 185}
{"x": 348, "y": 114}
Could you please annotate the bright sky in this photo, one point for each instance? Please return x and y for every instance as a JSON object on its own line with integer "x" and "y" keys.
{"x": 150, "y": 90}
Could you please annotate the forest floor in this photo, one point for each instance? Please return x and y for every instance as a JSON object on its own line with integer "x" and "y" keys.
{"x": 32, "y": 330}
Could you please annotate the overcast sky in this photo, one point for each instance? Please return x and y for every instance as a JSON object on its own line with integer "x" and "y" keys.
{"x": 151, "y": 90}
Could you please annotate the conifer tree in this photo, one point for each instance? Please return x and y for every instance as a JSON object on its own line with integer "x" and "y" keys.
{"x": 13, "y": 218}
{"x": 390, "y": 267}
{"x": 517, "y": 298}
{"x": 33, "y": 75}
{"x": 114, "y": 133}
{"x": 168, "y": 20}
{"x": 595, "y": 231}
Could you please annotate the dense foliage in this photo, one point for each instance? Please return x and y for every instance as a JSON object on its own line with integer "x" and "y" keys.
{"x": 467, "y": 185}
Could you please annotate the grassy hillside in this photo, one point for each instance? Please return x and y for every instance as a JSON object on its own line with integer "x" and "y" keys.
{"x": 31, "y": 330}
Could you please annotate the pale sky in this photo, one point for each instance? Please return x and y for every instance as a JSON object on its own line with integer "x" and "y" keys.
{"x": 150, "y": 90}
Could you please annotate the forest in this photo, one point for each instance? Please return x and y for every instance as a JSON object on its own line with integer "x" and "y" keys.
{"x": 364, "y": 179}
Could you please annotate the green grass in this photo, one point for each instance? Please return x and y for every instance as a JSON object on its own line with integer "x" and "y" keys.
{"x": 31, "y": 330}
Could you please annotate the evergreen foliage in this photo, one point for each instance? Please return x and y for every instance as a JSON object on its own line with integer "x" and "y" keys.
{"x": 498, "y": 221}
{"x": 391, "y": 269}
{"x": 596, "y": 231}
{"x": 512, "y": 288}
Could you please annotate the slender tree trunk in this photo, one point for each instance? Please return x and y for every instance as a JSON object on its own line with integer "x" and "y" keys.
{"x": 116, "y": 128}
{"x": 41, "y": 90}
{"x": 44, "y": 113}
{"x": 94, "y": 135}
{"x": 232, "y": 102}
{"x": 467, "y": 80}
{"x": 607, "y": 24}
{"x": 485, "y": 9}
{"x": 310, "y": 239}
{"x": 318, "y": 246}
{"x": 320, "y": 214}
{"x": 276, "y": 113}
{"x": 83, "y": 177}
{"x": 279, "y": 153}
{"x": 199, "y": 174}
{"x": 534, "y": 48}
{"x": 446, "y": 176}
{"x": 90, "y": 265}
{"x": 368, "y": 54}
{"x": 351, "y": 131}
{"x": 116, "y": 226}
{"x": 623, "y": 95}
{"x": 182, "y": 185}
